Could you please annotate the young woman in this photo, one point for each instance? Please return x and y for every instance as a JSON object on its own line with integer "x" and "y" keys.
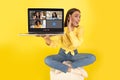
{"x": 36, "y": 15}
{"x": 37, "y": 24}
{"x": 54, "y": 15}
{"x": 69, "y": 42}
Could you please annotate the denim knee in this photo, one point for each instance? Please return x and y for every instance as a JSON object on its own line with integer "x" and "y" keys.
{"x": 92, "y": 58}
{"x": 86, "y": 60}
{"x": 47, "y": 60}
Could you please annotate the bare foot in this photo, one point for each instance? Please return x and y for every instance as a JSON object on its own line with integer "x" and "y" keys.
{"x": 57, "y": 71}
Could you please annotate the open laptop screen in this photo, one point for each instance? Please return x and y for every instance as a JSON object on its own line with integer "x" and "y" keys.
{"x": 45, "y": 20}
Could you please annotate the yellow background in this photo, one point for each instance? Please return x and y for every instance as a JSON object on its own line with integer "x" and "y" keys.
{"x": 22, "y": 57}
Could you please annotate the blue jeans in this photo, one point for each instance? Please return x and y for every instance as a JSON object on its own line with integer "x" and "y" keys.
{"x": 78, "y": 60}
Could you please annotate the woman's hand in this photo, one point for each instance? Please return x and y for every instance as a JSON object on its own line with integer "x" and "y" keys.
{"x": 46, "y": 38}
{"x": 69, "y": 23}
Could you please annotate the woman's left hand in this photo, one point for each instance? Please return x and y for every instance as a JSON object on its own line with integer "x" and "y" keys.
{"x": 70, "y": 24}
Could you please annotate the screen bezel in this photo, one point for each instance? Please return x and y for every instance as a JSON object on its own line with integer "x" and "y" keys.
{"x": 44, "y": 30}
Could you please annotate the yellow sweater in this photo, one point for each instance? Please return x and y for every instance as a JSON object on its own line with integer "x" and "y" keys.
{"x": 38, "y": 26}
{"x": 70, "y": 40}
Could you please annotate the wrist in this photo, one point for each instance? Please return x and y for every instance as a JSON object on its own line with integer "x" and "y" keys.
{"x": 70, "y": 28}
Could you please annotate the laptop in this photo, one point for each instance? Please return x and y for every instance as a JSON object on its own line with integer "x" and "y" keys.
{"x": 45, "y": 21}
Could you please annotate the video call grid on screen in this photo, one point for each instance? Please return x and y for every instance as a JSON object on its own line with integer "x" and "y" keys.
{"x": 47, "y": 18}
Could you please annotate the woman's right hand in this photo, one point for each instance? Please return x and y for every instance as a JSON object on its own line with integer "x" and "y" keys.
{"x": 46, "y": 38}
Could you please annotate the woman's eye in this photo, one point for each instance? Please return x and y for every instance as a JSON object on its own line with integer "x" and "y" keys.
{"x": 76, "y": 16}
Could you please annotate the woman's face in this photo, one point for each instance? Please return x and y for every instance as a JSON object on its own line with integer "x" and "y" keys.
{"x": 75, "y": 18}
{"x": 38, "y": 23}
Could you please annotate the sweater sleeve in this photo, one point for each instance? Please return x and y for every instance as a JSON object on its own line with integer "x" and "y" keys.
{"x": 76, "y": 37}
{"x": 55, "y": 41}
